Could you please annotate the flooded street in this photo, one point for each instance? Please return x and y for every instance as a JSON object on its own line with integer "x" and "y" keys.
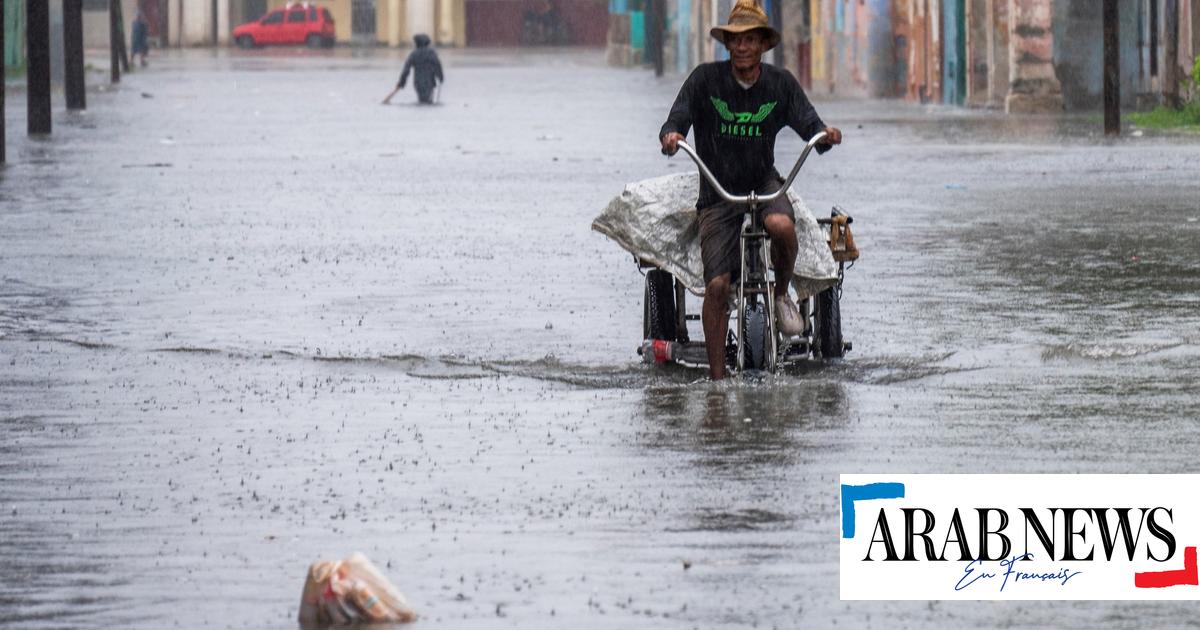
{"x": 250, "y": 318}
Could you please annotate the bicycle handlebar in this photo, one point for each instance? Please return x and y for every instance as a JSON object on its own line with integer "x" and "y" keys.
{"x": 753, "y": 197}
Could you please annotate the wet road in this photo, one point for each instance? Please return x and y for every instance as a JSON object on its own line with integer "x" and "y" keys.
{"x": 249, "y": 318}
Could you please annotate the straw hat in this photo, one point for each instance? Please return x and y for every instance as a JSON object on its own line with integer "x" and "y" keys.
{"x": 746, "y": 16}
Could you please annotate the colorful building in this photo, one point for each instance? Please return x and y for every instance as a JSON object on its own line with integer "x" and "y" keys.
{"x": 13, "y": 51}
{"x": 371, "y": 22}
{"x": 1019, "y": 55}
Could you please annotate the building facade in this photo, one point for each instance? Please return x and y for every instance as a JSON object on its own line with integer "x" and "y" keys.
{"x": 1016, "y": 55}
{"x": 13, "y": 51}
{"x": 372, "y": 22}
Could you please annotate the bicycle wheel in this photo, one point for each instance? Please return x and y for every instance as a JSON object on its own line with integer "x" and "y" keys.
{"x": 755, "y": 337}
{"x": 829, "y": 324}
{"x": 658, "y": 313}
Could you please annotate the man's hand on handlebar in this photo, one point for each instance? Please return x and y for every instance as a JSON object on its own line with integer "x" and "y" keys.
{"x": 670, "y": 142}
{"x": 833, "y": 135}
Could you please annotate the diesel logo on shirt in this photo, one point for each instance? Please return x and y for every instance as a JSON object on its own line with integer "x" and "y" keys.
{"x": 741, "y": 124}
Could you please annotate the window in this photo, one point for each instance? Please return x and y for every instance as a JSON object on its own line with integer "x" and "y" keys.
{"x": 328, "y": 17}
{"x": 296, "y": 16}
{"x": 274, "y": 18}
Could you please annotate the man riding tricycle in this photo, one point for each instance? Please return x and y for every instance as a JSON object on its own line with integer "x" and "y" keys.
{"x": 747, "y": 227}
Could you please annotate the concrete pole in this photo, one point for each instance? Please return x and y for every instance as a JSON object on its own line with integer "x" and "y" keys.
{"x": 395, "y": 20}
{"x": 654, "y": 34}
{"x": 1195, "y": 22}
{"x": 1171, "y": 54}
{"x": 1033, "y": 86}
{"x": 3, "y": 141}
{"x": 223, "y": 27}
{"x": 420, "y": 18}
{"x": 73, "y": 52}
{"x": 114, "y": 42}
{"x": 445, "y": 23}
{"x": 122, "y": 51}
{"x": 1112, "y": 69}
{"x": 460, "y": 23}
{"x": 997, "y": 52}
{"x": 174, "y": 22}
{"x": 978, "y": 41}
{"x": 776, "y": 19}
{"x": 37, "y": 45}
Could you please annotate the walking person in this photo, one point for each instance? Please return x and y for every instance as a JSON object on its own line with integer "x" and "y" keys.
{"x": 423, "y": 62}
{"x": 140, "y": 38}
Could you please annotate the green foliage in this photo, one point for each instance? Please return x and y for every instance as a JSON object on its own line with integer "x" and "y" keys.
{"x": 1196, "y": 71}
{"x": 1187, "y": 119}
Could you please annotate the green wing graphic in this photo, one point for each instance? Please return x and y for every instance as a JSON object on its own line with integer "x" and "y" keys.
{"x": 723, "y": 108}
{"x": 763, "y": 112}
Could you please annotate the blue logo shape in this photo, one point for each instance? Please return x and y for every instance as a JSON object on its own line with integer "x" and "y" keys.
{"x": 850, "y": 494}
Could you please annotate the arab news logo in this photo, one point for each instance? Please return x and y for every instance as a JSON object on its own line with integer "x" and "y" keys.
{"x": 1157, "y": 522}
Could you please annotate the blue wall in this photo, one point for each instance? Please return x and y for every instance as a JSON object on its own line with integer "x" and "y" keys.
{"x": 683, "y": 26}
{"x": 954, "y": 52}
{"x": 1079, "y": 52}
{"x": 881, "y": 64}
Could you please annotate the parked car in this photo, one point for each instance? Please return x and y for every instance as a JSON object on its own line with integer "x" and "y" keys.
{"x": 293, "y": 24}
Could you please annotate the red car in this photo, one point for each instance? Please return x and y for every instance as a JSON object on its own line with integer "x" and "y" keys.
{"x": 293, "y": 24}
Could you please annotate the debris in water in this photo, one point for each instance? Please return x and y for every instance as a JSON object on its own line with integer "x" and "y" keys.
{"x": 351, "y": 591}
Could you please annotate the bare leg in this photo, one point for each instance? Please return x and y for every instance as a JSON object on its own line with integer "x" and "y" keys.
{"x": 716, "y": 324}
{"x": 783, "y": 250}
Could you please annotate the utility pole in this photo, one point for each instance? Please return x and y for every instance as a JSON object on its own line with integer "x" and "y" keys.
{"x": 73, "y": 51}
{"x": 122, "y": 51}
{"x": 1112, "y": 70}
{"x": 37, "y": 43}
{"x": 3, "y": 74}
{"x": 655, "y": 15}
{"x": 660, "y": 19}
{"x": 776, "y": 19}
{"x": 114, "y": 41}
{"x": 1171, "y": 54}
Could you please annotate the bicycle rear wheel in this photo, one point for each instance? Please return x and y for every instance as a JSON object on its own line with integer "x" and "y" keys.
{"x": 658, "y": 313}
{"x": 829, "y": 324}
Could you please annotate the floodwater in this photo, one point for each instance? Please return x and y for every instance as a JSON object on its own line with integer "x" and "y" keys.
{"x": 250, "y": 318}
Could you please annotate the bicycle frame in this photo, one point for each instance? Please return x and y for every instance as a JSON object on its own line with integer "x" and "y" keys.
{"x": 753, "y": 279}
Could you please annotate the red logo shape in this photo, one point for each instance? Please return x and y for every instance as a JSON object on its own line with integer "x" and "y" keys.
{"x": 1163, "y": 579}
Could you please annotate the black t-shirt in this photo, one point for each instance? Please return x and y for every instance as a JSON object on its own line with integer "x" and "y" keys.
{"x": 736, "y": 126}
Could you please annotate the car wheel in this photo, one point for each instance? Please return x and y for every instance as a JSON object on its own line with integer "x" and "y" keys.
{"x": 245, "y": 41}
{"x": 314, "y": 41}
{"x": 327, "y": 42}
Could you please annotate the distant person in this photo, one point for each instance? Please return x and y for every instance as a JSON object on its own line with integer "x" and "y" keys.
{"x": 426, "y": 69}
{"x": 141, "y": 38}
{"x": 544, "y": 25}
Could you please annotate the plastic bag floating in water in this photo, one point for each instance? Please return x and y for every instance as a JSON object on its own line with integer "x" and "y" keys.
{"x": 351, "y": 591}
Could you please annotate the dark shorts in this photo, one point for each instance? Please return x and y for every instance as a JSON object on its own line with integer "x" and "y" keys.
{"x": 721, "y": 231}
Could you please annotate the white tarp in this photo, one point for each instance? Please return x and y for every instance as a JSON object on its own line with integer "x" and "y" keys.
{"x": 656, "y": 220}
